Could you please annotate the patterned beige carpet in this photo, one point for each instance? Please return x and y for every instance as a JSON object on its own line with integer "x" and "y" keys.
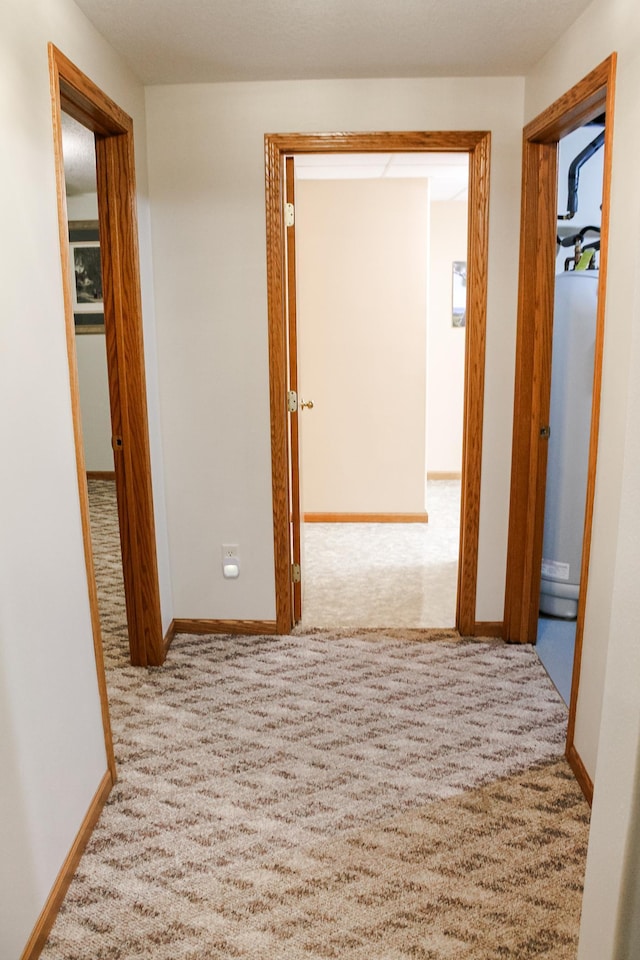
{"x": 344, "y": 794}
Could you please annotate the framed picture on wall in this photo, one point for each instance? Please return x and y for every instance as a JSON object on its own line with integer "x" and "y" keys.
{"x": 86, "y": 276}
{"x": 459, "y": 295}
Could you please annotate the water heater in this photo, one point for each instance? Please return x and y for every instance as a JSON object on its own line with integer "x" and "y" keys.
{"x": 574, "y": 334}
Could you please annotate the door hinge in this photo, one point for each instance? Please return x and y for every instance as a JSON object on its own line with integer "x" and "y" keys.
{"x": 295, "y": 572}
{"x": 545, "y": 432}
{"x": 292, "y": 401}
{"x": 289, "y": 215}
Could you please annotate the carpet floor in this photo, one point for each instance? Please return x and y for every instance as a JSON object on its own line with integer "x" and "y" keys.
{"x": 384, "y": 574}
{"x": 368, "y": 795}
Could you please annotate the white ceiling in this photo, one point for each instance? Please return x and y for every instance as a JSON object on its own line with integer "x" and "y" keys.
{"x": 79, "y": 153}
{"x": 448, "y": 173}
{"x": 204, "y": 41}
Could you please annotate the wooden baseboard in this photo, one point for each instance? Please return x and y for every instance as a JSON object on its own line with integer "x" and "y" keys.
{"x": 168, "y": 637}
{"x": 488, "y": 628}
{"x": 580, "y": 772}
{"x": 443, "y": 475}
{"x": 244, "y": 627}
{"x": 101, "y": 475}
{"x": 50, "y": 910}
{"x": 366, "y": 517}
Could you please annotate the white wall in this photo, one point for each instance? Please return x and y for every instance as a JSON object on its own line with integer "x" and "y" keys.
{"x": 82, "y": 206}
{"x": 52, "y": 752}
{"x": 445, "y": 343}
{"x": 608, "y": 718}
{"x": 364, "y": 442}
{"x": 206, "y": 177}
{"x": 361, "y": 262}
{"x": 94, "y": 401}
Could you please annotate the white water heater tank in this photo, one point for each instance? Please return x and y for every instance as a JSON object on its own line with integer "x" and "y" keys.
{"x": 574, "y": 335}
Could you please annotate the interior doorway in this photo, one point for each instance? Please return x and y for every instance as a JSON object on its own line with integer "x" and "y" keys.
{"x": 74, "y": 94}
{"x": 93, "y": 383}
{"x": 580, "y": 171}
{"x": 378, "y": 240}
{"x": 585, "y": 102}
{"x": 284, "y": 409}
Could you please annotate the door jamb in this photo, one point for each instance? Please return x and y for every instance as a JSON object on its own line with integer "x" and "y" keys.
{"x": 477, "y": 145}
{"x": 588, "y": 98}
{"x": 294, "y": 434}
{"x": 77, "y": 95}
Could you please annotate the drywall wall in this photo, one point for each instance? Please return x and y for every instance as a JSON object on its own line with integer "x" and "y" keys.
{"x": 362, "y": 265}
{"x": 82, "y": 206}
{"x": 52, "y": 752}
{"x": 361, "y": 261}
{"x": 608, "y": 717}
{"x": 445, "y": 343}
{"x": 94, "y": 401}
{"x": 206, "y": 179}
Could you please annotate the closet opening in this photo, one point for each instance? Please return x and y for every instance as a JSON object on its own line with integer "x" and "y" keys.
{"x": 543, "y": 234}
{"x": 580, "y": 172}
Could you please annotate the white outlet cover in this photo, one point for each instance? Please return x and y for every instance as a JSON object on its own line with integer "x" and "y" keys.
{"x": 231, "y": 569}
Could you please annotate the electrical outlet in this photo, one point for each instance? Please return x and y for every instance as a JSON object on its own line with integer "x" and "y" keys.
{"x": 230, "y": 561}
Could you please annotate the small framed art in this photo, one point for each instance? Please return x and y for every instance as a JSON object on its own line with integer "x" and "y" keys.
{"x": 86, "y": 276}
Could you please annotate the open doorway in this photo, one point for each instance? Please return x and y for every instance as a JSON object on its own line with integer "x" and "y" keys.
{"x": 381, "y": 249}
{"x": 74, "y": 94}
{"x": 580, "y": 173}
{"x": 585, "y": 102}
{"x": 81, "y": 189}
{"x": 283, "y": 388}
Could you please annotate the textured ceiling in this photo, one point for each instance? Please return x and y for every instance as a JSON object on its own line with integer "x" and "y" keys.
{"x": 79, "y": 153}
{"x": 204, "y": 41}
{"x": 448, "y": 173}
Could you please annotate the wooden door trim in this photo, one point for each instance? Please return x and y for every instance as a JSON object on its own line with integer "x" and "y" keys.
{"x": 77, "y": 95}
{"x": 292, "y": 325}
{"x": 578, "y": 767}
{"x": 477, "y": 145}
{"x": 533, "y": 351}
{"x": 75, "y": 408}
{"x": 590, "y": 97}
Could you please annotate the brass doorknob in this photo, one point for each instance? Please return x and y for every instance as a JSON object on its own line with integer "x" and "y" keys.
{"x": 306, "y": 403}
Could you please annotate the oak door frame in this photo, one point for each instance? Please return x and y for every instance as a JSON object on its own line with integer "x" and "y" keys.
{"x": 75, "y": 94}
{"x": 586, "y": 100}
{"x": 291, "y": 294}
{"x": 477, "y": 145}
